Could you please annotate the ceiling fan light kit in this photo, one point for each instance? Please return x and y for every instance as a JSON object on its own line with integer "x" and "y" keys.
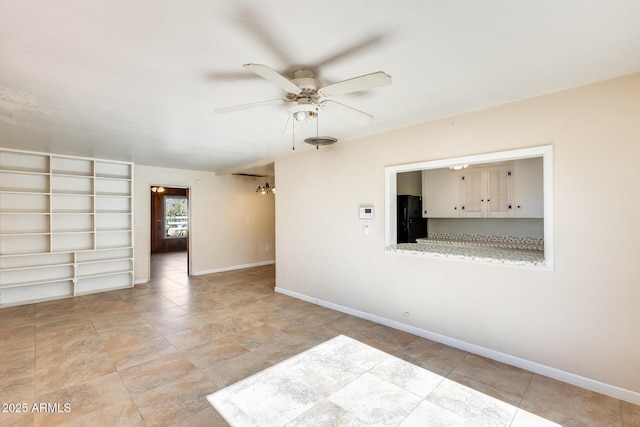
{"x": 304, "y": 111}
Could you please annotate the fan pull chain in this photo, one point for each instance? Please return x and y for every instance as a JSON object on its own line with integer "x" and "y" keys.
{"x": 317, "y": 126}
{"x": 293, "y": 132}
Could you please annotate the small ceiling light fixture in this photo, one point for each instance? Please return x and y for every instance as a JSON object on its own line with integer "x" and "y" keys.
{"x": 304, "y": 115}
{"x": 303, "y": 111}
{"x": 157, "y": 189}
{"x": 266, "y": 189}
{"x": 458, "y": 167}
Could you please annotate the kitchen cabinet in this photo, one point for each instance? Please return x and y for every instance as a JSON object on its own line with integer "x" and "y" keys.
{"x": 499, "y": 201}
{"x": 440, "y": 193}
{"x": 471, "y": 193}
{"x": 65, "y": 226}
{"x": 486, "y": 191}
{"x": 528, "y": 188}
{"x": 510, "y": 189}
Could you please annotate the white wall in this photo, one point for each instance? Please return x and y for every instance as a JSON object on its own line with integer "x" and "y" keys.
{"x": 410, "y": 183}
{"x": 231, "y": 225}
{"x": 583, "y": 318}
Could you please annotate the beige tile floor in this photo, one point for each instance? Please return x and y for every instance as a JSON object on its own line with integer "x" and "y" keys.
{"x": 152, "y": 354}
{"x": 345, "y": 382}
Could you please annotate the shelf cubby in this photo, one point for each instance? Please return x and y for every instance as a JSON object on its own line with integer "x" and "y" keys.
{"x": 25, "y": 244}
{"x": 71, "y": 166}
{"x": 113, "y": 170}
{"x": 72, "y": 204}
{"x": 111, "y": 187}
{"x": 104, "y": 255}
{"x": 35, "y": 261}
{"x": 24, "y": 223}
{"x": 24, "y": 162}
{"x": 117, "y": 280}
{"x": 24, "y": 203}
{"x": 113, "y": 239}
{"x": 35, "y": 276}
{"x": 17, "y": 182}
{"x": 36, "y": 293}
{"x": 113, "y": 221}
{"x": 102, "y": 268}
{"x": 72, "y": 241}
{"x": 71, "y": 222}
{"x": 64, "y": 184}
{"x": 105, "y": 204}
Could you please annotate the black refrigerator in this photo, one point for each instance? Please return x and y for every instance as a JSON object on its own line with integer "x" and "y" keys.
{"x": 411, "y": 225}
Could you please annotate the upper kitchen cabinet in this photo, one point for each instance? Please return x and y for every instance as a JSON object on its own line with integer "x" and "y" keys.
{"x": 500, "y": 186}
{"x": 511, "y": 189}
{"x": 472, "y": 193}
{"x": 440, "y": 193}
{"x": 486, "y": 191}
{"x": 529, "y": 194}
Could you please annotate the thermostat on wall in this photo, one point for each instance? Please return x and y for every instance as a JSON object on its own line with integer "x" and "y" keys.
{"x": 366, "y": 212}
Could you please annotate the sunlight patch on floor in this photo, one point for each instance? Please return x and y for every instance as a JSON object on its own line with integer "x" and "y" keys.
{"x": 345, "y": 382}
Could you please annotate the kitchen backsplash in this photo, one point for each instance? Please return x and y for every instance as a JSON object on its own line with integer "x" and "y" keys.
{"x": 529, "y": 227}
{"x": 512, "y": 242}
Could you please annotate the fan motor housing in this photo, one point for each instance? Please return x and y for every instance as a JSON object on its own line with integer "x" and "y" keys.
{"x": 306, "y": 82}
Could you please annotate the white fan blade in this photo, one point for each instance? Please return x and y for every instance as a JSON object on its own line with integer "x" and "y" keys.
{"x": 274, "y": 77}
{"x": 247, "y": 106}
{"x": 368, "y": 81}
{"x": 348, "y": 113}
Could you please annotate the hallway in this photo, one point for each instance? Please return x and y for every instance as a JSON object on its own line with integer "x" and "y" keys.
{"x": 169, "y": 265}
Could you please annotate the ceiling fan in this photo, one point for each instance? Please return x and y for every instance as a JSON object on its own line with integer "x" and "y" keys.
{"x": 308, "y": 94}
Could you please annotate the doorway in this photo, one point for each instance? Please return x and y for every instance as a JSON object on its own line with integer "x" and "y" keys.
{"x": 170, "y": 228}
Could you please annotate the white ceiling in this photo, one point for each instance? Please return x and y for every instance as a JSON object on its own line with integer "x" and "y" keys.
{"x": 139, "y": 80}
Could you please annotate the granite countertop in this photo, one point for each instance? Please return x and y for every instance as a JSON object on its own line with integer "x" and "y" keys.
{"x": 494, "y": 249}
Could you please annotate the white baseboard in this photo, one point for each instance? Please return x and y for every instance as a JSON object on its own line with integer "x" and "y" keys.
{"x": 233, "y": 267}
{"x": 547, "y": 371}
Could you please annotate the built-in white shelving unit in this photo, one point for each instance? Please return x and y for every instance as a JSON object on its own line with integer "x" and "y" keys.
{"x": 65, "y": 226}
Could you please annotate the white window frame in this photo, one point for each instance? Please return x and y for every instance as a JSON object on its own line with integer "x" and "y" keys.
{"x": 164, "y": 216}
